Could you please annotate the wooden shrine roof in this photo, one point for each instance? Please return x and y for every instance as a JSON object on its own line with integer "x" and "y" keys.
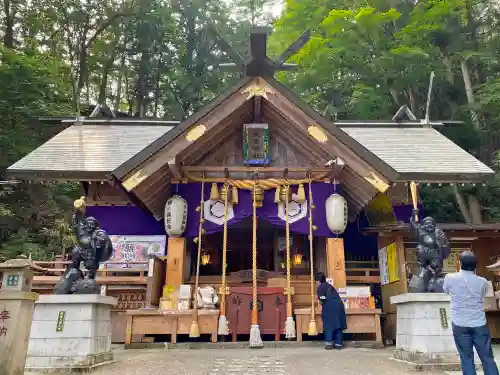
{"x": 86, "y": 152}
{"x": 419, "y": 153}
{"x": 145, "y": 156}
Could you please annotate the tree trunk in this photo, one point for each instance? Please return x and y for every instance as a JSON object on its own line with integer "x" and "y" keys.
{"x": 119, "y": 83}
{"x": 475, "y": 210}
{"x": 414, "y": 106}
{"x": 462, "y": 205}
{"x": 104, "y": 81}
{"x": 395, "y": 96}
{"x": 448, "y": 63}
{"x": 9, "y": 13}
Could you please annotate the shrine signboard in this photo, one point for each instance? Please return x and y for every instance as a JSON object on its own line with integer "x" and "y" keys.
{"x": 256, "y": 144}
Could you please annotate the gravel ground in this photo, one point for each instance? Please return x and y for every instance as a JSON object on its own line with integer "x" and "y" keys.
{"x": 299, "y": 361}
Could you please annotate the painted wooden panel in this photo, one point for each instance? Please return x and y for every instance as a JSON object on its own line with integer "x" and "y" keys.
{"x": 335, "y": 259}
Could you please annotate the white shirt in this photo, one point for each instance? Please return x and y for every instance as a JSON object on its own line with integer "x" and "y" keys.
{"x": 467, "y": 291}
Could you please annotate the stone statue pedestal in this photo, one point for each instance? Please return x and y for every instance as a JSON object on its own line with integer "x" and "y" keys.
{"x": 70, "y": 333}
{"x": 423, "y": 333}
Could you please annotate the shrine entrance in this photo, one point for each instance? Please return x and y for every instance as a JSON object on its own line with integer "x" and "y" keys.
{"x": 271, "y": 251}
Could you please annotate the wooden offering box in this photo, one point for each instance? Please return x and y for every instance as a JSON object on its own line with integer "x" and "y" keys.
{"x": 358, "y": 321}
{"x": 271, "y": 304}
{"x": 170, "y": 322}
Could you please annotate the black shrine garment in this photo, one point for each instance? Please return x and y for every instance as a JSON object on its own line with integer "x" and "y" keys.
{"x": 332, "y": 308}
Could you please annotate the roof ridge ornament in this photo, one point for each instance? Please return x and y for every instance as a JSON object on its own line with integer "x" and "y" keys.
{"x": 425, "y": 122}
{"x": 258, "y": 63}
{"x": 402, "y": 111}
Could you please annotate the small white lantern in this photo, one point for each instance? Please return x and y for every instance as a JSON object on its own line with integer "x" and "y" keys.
{"x": 336, "y": 213}
{"x": 175, "y": 216}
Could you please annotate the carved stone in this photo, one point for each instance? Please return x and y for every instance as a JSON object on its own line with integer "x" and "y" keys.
{"x": 207, "y": 297}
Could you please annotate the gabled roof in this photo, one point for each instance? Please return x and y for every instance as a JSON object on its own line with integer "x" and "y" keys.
{"x": 86, "y": 152}
{"x": 398, "y": 151}
{"x": 129, "y": 165}
{"x": 419, "y": 153}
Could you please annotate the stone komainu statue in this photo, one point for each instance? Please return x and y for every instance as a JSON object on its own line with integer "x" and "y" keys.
{"x": 432, "y": 249}
{"x": 93, "y": 247}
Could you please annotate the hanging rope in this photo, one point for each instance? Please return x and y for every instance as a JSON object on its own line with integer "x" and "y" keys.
{"x": 313, "y": 329}
{"x": 194, "y": 330}
{"x": 255, "y": 338}
{"x": 223, "y": 326}
{"x": 289, "y": 323}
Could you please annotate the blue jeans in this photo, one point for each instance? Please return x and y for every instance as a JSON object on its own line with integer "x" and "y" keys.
{"x": 333, "y": 337}
{"x": 467, "y": 338}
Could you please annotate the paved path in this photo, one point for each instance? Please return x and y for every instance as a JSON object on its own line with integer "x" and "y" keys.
{"x": 292, "y": 361}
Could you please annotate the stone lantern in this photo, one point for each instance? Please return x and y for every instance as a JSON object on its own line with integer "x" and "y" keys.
{"x": 18, "y": 274}
{"x": 17, "y": 303}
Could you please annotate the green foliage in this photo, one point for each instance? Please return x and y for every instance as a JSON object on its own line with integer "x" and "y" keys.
{"x": 154, "y": 58}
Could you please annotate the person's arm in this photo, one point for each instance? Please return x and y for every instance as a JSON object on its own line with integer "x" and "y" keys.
{"x": 414, "y": 225}
{"x": 446, "y": 284}
{"x": 322, "y": 293}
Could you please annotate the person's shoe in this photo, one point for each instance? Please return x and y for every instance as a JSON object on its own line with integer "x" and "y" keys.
{"x": 328, "y": 346}
{"x": 337, "y": 346}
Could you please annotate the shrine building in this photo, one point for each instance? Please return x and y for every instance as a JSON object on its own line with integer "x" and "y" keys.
{"x": 253, "y": 194}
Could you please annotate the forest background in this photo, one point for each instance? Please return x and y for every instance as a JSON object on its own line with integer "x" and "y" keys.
{"x": 365, "y": 59}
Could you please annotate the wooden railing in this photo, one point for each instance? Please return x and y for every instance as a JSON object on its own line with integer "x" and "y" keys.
{"x": 362, "y": 272}
{"x": 110, "y": 274}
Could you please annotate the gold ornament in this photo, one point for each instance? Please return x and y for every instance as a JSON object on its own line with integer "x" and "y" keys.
{"x": 234, "y": 195}
{"x": 301, "y": 194}
{"x": 259, "y": 196}
{"x": 214, "y": 192}
{"x": 225, "y": 192}
{"x": 277, "y": 198}
{"x": 286, "y": 194}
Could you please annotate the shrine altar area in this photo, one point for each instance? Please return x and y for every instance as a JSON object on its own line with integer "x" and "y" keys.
{"x": 177, "y": 322}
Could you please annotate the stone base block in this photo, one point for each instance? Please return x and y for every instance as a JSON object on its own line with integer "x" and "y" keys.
{"x": 70, "y": 333}
{"x": 423, "y": 332}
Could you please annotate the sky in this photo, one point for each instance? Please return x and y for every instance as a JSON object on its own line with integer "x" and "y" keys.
{"x": 277, "y": 8}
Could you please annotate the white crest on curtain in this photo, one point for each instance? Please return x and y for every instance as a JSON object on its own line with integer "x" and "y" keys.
{"x": 296, "y": 210}
{"x": 213, "y": 211}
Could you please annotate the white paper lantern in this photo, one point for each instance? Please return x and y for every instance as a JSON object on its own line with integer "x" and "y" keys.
{"x": 175, "y": 216}
{"x": 336, "y": 213}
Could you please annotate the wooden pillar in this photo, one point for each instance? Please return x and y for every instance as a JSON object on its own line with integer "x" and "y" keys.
{"x": 335, "y": 261}
{"x": 176, "y": 255}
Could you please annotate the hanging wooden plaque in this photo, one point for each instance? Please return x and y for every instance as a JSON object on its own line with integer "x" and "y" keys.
{"x": 256, "y": 144}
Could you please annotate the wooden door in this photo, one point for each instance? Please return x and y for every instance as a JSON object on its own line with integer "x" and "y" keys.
{"x": 271, "y": 304}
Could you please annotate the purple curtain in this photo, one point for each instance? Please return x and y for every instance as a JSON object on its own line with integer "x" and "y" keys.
{"x": 131, "y": 220}
{"x": 126, "y": 220}
{"x": 269, "y": 210}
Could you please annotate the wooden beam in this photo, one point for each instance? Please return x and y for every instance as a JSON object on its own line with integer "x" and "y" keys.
{"x": 213, "y": 139}
{"x": 257, "y": 109}
{"x": 333, "y": 146}
{"x": 179, "y": 144}
{"x": 337, "y": 165}
{"x": 175, "y": 169}
{"x": 251, "y": 169}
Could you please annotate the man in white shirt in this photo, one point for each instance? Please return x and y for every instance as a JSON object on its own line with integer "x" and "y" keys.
{"x": 467, "y": 292}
